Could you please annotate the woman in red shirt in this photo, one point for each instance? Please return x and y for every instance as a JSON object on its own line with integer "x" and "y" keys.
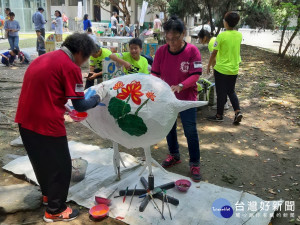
{"x": 49, "y": 82}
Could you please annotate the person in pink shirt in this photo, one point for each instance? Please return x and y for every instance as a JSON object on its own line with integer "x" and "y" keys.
{"x": 179, "y": 64}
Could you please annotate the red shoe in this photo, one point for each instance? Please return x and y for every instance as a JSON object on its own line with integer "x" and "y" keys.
{"x": 195, "y": 173}
{"x": 66, "y": 215}
{"x": 170, "y": 161}
{"x": 45, "y": 200}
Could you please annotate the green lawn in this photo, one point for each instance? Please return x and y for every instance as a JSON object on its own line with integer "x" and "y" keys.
{"x": 29, "y": 41}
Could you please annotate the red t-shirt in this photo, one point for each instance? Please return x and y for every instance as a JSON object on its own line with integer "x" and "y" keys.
{"x": 183, "y": 67}
{"x": 49, "y": 82}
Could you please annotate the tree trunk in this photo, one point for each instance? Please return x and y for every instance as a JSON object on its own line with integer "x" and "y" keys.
{"x": 224, "y": 12}
{"x": 210, "y": 17}
{"x": 282, "y": 36}
{"x": 292, "y": 37}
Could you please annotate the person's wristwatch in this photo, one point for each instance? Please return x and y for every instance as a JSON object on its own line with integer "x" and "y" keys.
{"x": 181, "y": 86}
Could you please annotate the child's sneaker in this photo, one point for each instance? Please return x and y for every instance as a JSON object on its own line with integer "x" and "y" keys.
{"x": 66, "y": 215}
{"x": 215, "y": 118}
{"x": 170, "y": 161}
{"x": 195, "y": 173}
{"x": 45, "y": 200}
{"x": 238, "y": 118}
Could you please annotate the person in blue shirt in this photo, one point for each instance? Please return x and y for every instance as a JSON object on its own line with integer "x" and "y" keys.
{"x": 12, "y": 28}
{"x": 86, "y": 22}
{"x": 9, "y": 57}
{"x": 39, "y": 21}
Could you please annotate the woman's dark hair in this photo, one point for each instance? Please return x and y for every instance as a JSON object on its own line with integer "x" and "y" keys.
{"x": 204, "y": 33}
{"x": 174, "y": 24}
{"x": 11, "y": 14}
{"x": 58, "y": 13}
{"x": 136, "y": 41}
{"x": 85, "y": 17}
{"x": 80, "y": 43}
{"x": 7, "y": 9}
{"x": 157, "y": 16}
{"x": 232, "y": 18}
{"x": 16, "y": 51}
{"x": 89, "y": 30}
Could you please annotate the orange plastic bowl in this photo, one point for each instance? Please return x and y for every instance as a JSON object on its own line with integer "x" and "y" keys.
{"x": 78, "y": 116}
{"x": 99, "y": 211}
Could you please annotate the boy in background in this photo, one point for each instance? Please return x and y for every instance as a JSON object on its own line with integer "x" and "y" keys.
{"x": 40, "y": 43}
{"x": 132, "y": 61}
{"x": 96, "y": 65}
{"x": 227, "y": 46}
{"x": 9, "y": 57}
{"x": 24, "y": 57}
{"x": 206, "y": 38}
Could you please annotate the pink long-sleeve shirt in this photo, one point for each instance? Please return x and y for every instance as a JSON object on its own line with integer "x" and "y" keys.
{"x": 183, "y": 67}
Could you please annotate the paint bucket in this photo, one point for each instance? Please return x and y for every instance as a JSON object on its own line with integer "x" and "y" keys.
{"x": 79, "y": 167}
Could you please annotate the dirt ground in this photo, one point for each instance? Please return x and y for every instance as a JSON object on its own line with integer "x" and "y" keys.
{"x": 261, "y": 156}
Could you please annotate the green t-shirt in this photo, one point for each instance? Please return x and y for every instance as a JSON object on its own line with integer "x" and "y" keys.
{"x": 97, "y": 62}
{"x": 140, "y": 66}
{"x": 211, "y": 44}
{"x": 228, "y": 44}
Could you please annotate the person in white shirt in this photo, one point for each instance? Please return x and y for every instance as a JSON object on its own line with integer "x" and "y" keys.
{"x": 92, "y": 35}
{"x": 157, "y": 24}
{"x": 114, "y": 22}
{"x": 58, "y": 22}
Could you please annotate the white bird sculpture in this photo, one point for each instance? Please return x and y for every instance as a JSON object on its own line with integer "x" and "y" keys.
{"x": 139, "y": 110}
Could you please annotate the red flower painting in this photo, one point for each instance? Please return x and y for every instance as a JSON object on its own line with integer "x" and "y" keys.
{"x": 132, "y": 89}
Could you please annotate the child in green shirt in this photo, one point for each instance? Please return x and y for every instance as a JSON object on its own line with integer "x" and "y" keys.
{"x": 227, "y": 47}
{"x": 96, "y": 65}
{"x": 132, "y": 61}
{"x": 206, "y": 38}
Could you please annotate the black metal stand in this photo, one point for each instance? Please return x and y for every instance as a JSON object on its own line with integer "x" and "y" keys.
{"x": 150, "y": 186}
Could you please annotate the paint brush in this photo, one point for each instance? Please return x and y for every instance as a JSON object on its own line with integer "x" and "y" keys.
{"x": 155, "y": 191}
{"x": 132, "y": 197}
{"x": 163, "y": 204}
{"x": 111, "y": 194}
{"x": 168, "y": 204}
{"x": 148, "y": 191}
{"x": 125, "y": 194}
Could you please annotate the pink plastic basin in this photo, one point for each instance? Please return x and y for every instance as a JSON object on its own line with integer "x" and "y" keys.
{"x": 183, "y": 185}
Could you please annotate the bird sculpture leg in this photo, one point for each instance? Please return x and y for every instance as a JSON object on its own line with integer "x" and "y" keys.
{"x": 149, "y": 161}
{"x": 117, "y": 159}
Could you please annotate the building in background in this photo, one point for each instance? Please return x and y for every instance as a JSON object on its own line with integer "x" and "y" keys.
{"x": 23, "y": 9}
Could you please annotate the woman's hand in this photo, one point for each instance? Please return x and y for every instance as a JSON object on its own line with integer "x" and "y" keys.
{"x": 176, "y": 88}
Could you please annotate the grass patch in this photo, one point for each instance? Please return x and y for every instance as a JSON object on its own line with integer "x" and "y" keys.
{"x": 29, "y": 41}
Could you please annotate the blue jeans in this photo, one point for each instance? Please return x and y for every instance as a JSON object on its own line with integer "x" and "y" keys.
{"x": 13, "y": 42}
{"x": 188, "y": 119}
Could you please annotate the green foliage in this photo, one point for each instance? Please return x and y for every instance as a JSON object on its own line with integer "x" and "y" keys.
{"x": 118, "y": 108}
{"x": 133, "y": 125}
{"x": 184, "y": 8}
{"x": 258, "y": 15}
{"x": 284, "y": 11}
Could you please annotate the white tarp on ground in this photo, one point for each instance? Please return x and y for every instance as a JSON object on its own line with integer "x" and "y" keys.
{"x": 194, "y": 206}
